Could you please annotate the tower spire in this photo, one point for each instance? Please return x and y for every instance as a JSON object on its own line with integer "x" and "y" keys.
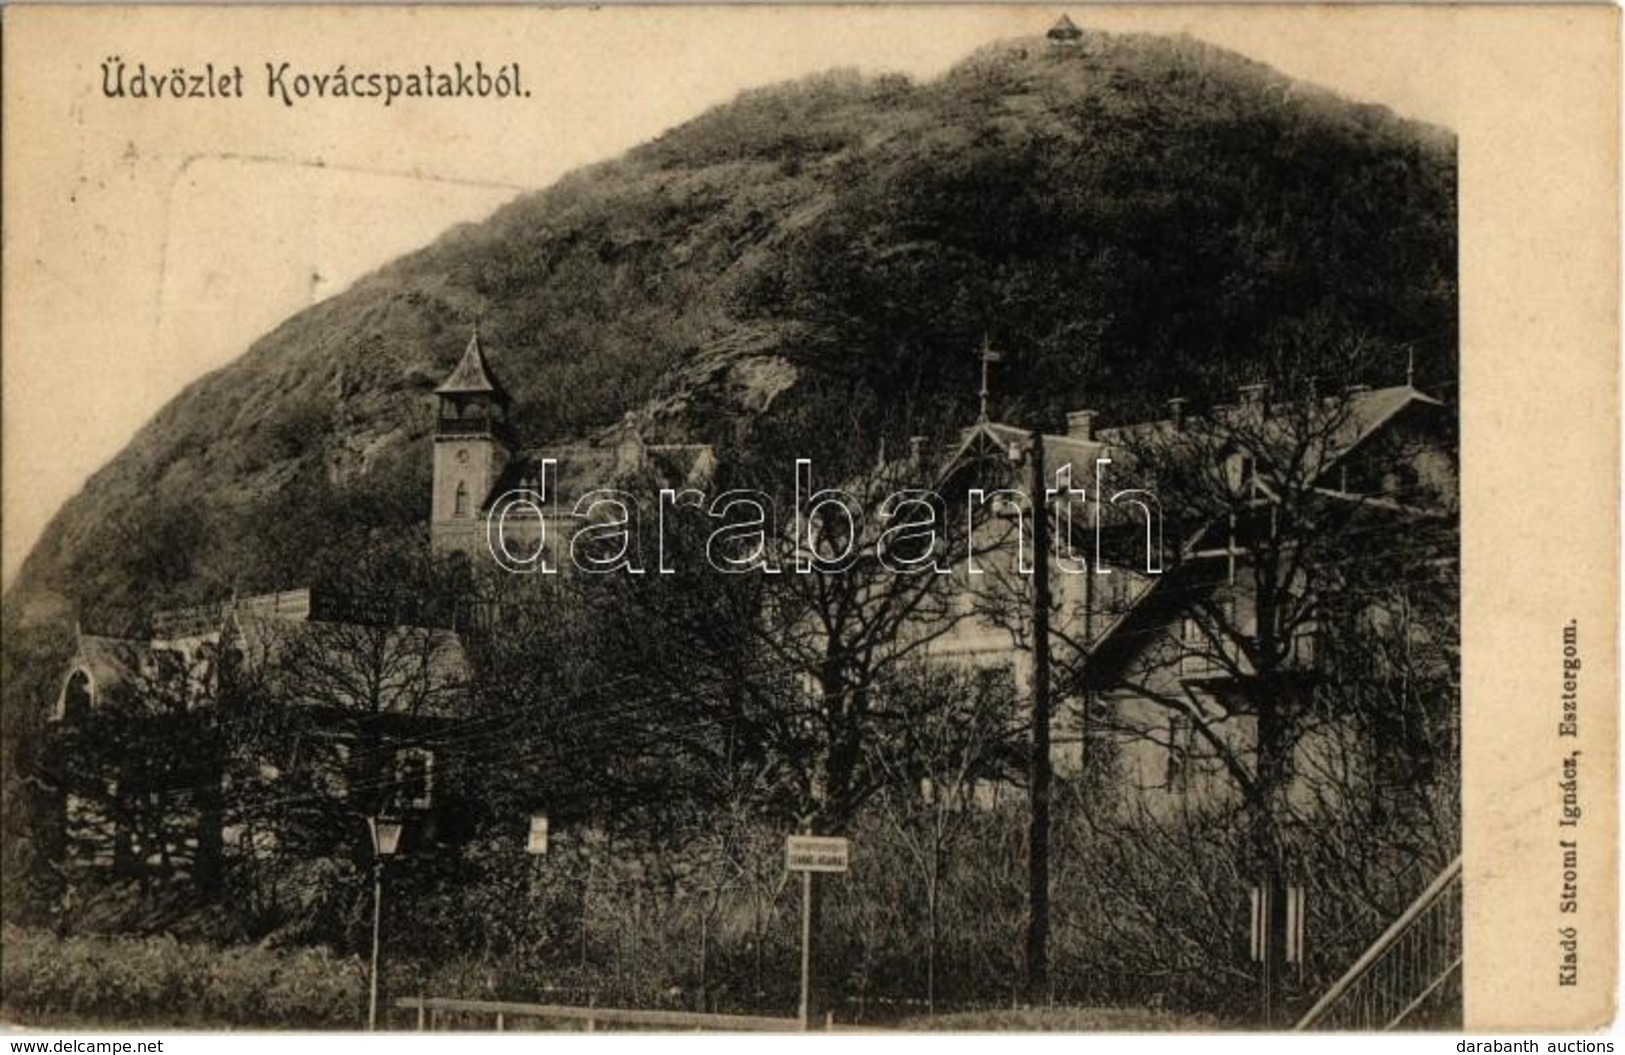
{"x": 473, "y": 375}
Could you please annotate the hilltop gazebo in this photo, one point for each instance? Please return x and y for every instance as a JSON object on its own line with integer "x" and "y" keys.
{"x": 1065, "y": 36}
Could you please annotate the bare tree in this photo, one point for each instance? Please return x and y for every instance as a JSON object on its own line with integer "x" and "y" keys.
{"x": 778, "y": 632}
{"x": 959, "y": 738}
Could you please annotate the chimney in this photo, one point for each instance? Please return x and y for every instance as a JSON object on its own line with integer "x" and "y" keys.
{"x": 629, "y": 451}
{"x": 1080, "y": 424}
{"x": 1176, "y": 411}
{"x": 1254, "y": 400}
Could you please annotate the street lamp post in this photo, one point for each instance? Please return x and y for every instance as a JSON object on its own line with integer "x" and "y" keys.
{"x": 386, "y": 838}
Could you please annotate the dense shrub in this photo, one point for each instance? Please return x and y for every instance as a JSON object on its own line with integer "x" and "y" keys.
{"x": 158, "y": 981}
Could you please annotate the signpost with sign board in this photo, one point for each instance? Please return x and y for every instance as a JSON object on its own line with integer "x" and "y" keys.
{"x": 811, "y": 854}
{"x": 816, "y": 853}
{"x": 536, "y": 841}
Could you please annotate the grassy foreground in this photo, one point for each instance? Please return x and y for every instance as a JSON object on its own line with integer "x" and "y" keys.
{"x": 159, "y": 982}
{"x": 1062, "y": 1020}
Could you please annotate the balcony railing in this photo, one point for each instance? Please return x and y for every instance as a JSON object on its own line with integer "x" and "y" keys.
{"x": 470, "y": 426}
{"x": 1202, "y": 659}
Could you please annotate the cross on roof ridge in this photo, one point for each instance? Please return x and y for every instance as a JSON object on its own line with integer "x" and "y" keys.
{"x": 988, "y": 354}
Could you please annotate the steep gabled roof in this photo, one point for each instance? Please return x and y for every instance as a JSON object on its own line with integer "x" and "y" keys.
{"x": 1351, "y": 420}
{"x": 682, "y": 464}
{"x": 473, "y": 375}
{"x": 110, "y": 661}
{"x": 1371, "y": 409}
{"x": 1366, "y": 413}
{"x": 988, "y": 438}
{"x": 1058, "y": 450}
{"x": 1064, "y": 29}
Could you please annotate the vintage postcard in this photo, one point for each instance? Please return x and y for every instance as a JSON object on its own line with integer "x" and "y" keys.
{"x": 980, "y": 518}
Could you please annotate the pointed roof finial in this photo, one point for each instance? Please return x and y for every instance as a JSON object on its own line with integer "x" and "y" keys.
{"x": 988, "y": 355}
{"x": 1410, "y": 368}
{"x": 1064, "y": 29}
{"x": 473, "y": 375}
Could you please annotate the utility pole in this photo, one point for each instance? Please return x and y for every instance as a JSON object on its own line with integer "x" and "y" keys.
{"x": 1039, "y": 769}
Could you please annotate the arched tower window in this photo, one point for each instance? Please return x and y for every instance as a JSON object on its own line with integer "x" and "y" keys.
{"x": 460, "y": 502}
{"x": 77, "y": 696}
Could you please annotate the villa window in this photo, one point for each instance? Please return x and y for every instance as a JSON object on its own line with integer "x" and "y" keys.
{"x": 1180, "y": 741}
{"x": 414, "y": 777}
{"x": 460, "y": 503}
{"x": 1238, "y": 471}
{"x": 77, "y": 696}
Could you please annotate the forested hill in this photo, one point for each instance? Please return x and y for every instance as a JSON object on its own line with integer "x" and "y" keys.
{"x": 813, "y": 262}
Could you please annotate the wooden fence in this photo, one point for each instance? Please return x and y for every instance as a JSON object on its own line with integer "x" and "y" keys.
{"x": 433, "y": 1011}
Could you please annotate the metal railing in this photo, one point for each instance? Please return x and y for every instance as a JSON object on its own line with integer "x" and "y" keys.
{"x": 1414, "y": 959}
{"x": 433, "y": 1012}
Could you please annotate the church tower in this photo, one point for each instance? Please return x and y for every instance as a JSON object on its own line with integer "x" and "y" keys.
{"x": 473, "y": 444}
